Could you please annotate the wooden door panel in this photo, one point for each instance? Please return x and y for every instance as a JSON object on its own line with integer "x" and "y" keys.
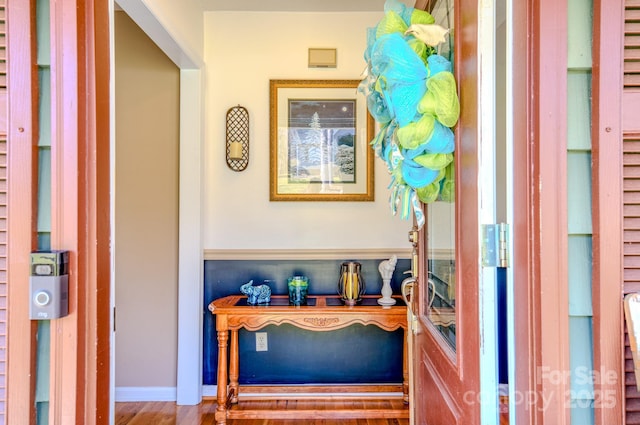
{"x": 447, "y": 379}
{"x": 436, "y": 393}
{"x": 449, "y": 395}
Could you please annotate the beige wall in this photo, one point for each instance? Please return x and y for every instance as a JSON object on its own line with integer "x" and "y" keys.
{"x": 175, "y": 26}
{"x": 242, "y": 51}
{"x": 183, "y": 19}
{"x": 146, "y": 210}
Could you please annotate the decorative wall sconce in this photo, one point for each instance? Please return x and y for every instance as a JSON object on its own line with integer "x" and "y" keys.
{"x": 237, "y": 140}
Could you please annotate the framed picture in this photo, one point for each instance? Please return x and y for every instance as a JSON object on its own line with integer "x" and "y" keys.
{"x": 320, "y": 134}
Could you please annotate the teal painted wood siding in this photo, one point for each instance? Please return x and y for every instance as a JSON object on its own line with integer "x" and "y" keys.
{"x": 579, "y": 191}
{"x": 44, "y": 198}
{"x": 44, "y": 124}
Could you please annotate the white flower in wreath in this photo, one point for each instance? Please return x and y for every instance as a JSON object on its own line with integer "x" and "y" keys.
{"x": 431, "y": 35}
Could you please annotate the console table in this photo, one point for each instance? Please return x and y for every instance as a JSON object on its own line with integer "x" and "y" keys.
{"x": 323, "y": 313}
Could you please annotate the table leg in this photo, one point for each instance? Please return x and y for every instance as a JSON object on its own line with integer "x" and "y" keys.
{"x": 233, "y": 367}
{"x": 405, "y": 368}
{"x": 221, "y": 410}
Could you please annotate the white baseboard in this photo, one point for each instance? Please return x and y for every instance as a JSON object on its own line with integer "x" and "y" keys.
{"x": 209, "y": 390}
{"x": 146, "y": 394}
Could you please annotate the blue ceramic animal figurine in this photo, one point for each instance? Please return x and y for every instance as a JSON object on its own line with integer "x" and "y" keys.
{"x": 260, "y": 294}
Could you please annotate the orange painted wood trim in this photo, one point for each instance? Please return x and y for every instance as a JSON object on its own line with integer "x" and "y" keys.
{"x": 526, "y": 339}
{"x": 68, "y": 118}
{"x": 423, "y": 5}
{"x": 467, "y": 60}
{"x": 420, "y": 4}
{"x": 550, "y": 246}
{"x": 100, "y": 308}
{"x": 317, "y": 414}
{"x": 21, "y": 204}
{"x": 79, "y": 380}
{"x": 608, "y": 282}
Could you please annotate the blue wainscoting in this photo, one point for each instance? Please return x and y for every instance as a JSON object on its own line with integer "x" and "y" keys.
{"x": 356, "y": 354}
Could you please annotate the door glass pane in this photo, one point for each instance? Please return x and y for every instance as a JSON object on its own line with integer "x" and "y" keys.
{"x": 441, "y": 292}
{"x": 440, "y": 297}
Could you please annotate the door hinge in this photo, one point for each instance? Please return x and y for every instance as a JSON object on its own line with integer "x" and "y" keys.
{"x": 495, "y": 245}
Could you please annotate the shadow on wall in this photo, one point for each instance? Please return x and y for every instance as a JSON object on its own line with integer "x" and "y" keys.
{"x": 353, "y": 355}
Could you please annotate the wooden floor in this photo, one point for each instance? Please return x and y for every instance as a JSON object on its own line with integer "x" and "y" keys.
{"x": 167, "y": 413}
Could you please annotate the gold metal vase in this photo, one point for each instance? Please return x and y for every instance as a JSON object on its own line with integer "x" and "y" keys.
{"x": 351, "y": 285}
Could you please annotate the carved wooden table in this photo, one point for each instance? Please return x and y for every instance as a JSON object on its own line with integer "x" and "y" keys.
{"x": 323, "y": 313}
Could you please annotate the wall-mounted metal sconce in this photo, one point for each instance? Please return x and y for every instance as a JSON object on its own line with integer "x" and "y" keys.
{"x": 237, "y": 141}
{"x": 323, "y": 58}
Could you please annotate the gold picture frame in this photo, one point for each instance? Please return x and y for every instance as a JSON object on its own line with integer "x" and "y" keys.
{"x": 319, "y": 141}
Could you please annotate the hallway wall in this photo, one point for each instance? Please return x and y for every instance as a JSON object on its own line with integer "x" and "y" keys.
{"x": 146, "y": 214}
{"x": 243, "y": 51}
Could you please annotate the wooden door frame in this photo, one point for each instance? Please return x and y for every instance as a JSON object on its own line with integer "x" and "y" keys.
{"x": 607, "y": 147}
{"x": 79, "y": 355}
{"x": 540, "y": 227}
{"x": 80, "y": 204}
{"x": 539, "y": 247}
{"x": 523, "y": 246}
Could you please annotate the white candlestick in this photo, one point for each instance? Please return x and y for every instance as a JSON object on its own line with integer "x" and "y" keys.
{"x": 386, "y": 292}
{"x": 235, "y": 150}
